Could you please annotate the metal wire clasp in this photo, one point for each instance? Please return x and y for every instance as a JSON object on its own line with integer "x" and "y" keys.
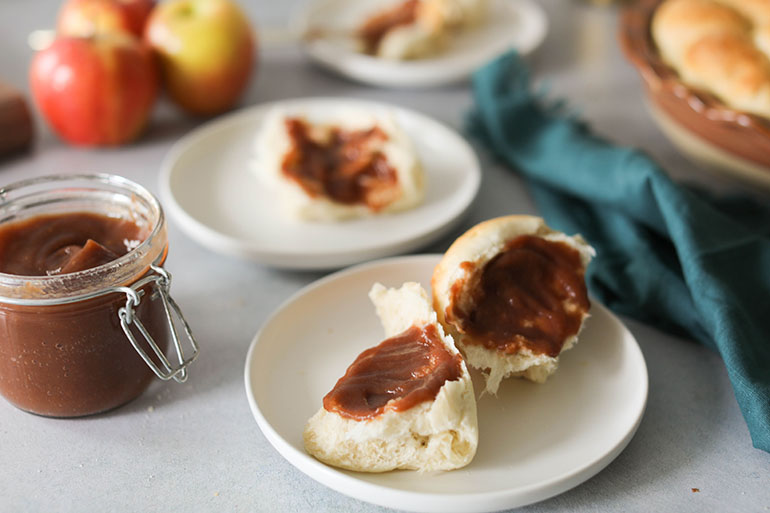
{"x": 161, "y": 280}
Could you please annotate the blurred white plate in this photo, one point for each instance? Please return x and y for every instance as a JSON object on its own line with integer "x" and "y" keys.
{"x": 210, "y": 190}
{"x": 535, "y": 441}
{"x": 518, "y": 24}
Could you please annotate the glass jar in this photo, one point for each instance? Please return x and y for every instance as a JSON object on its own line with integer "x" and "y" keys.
{"x": 88, "y": 341}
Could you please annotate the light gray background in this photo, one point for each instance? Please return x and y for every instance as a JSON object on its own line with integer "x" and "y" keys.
{"x": 196, "y": 447}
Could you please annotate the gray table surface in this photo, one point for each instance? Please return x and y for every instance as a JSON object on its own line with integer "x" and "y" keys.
{"x": 196, "y": 447}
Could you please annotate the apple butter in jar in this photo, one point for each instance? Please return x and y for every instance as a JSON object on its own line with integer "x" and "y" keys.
{"x": 85, "y": 312}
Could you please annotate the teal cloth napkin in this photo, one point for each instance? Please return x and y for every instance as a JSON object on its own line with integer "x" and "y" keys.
{"x": 666, "y": 254}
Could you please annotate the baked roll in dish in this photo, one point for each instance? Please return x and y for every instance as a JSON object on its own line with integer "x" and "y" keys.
{"x": 350, "y": 163}
{"x": 511, "y": 292}
{"x": 406, "y": 403}
{"x": 414, "y": 29}
{"x": 709, "y": 126}
{"x": 720, "y": 46}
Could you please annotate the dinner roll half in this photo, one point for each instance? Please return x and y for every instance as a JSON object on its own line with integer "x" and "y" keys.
{"x": 495, "y": 313}
{"x": 436, "y": 434}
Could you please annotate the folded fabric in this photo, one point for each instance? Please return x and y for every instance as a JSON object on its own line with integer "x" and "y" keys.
{"x": 666, "y": 254}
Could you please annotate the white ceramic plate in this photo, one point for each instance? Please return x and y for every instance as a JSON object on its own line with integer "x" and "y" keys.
{"x": 210, "y": 190}
{"x": 535, "y": 441}
{"x": 519, "y": 24}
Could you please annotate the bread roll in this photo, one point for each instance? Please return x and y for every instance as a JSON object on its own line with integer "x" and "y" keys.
{"x": 411, "y": 42}
{"x": 437, "y": 434}
{"x": 454, "y": 14}
{"x": 274, "y": 143}
{"x": 415, "y": 29}
{"x": 720, "y": 46}
{"x": 457, "y": 286}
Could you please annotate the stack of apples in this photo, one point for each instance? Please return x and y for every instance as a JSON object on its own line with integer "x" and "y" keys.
{"x": 97, "y": 82}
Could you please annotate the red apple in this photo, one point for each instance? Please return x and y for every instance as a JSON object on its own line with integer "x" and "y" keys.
{"x": 95, "y": 91}
{"x": 88, "y": 17}
{"x": 206, "y": 50}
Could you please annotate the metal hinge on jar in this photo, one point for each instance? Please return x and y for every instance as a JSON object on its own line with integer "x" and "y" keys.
{"x": 160, "y": 279}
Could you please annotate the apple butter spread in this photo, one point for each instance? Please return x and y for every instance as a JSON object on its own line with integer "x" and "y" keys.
{"x": 399, "y": 373}
{"x": 532, "y": 295}
{"x": 65, "y": 243}
{"x": 375, "y": 28}
{"x": 71, "y": 359}
{"x": 343, "y": 166}
{"x": 85, "y": 311}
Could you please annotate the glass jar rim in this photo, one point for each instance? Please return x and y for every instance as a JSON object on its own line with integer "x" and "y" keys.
{"x": 28, "y": 285}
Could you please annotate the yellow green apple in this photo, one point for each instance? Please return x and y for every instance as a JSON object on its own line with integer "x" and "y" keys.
{"x": 206, "y": 50}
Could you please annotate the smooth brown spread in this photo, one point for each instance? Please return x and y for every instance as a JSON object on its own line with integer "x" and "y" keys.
{"x": 65, "y": 243}
{"x": 342, "y": 166}
{"x": 531, "y": 295}
{"x": 72, "y": 359}
{"x": 375, "y": 28}
{"x": 399, "y": 373}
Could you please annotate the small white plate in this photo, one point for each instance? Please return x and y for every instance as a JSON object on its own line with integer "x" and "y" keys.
{"x": 208, "y": 186}
{"x": 510, "y": 24}
{"x": 535, "y": 441}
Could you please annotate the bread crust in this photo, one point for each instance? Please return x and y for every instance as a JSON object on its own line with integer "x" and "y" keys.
{"x": 478, "y": 246}
{"x": 720, "y": 46}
